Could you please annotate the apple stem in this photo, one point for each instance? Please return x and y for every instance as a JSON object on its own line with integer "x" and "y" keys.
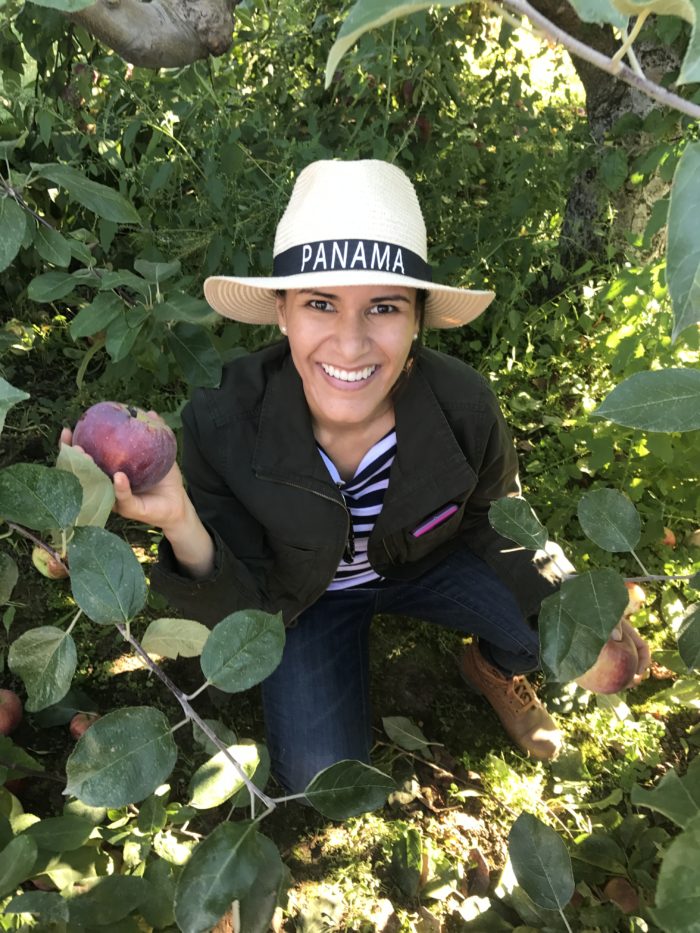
{"x": 192, "y": 715}
{"x": 42, "y": 544}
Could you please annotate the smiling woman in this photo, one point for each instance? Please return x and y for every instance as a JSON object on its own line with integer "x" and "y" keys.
{"x": 347, "y": 471}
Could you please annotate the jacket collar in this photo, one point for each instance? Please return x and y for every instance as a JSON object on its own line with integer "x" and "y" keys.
{"x": 429, "y": 468}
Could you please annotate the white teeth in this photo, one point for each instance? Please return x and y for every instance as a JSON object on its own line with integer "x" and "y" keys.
{"x": 354, "y": 375}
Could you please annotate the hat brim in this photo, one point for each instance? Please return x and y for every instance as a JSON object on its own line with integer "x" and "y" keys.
{"x": 252, "y": 300}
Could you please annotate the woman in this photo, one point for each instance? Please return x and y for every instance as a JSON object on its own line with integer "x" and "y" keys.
{"x": 347, "y": 471}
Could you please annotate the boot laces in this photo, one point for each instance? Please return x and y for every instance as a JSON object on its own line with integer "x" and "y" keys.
{"x": 521, "y": 695}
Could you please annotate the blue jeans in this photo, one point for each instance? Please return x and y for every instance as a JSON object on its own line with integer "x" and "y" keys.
{"x": 316, "y": 703}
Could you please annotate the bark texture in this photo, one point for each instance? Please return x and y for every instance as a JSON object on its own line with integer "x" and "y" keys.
{"x": 607, "y": 99}
{"x": 160, "y": 33}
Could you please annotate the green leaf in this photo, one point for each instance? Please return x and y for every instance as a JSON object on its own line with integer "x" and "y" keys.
{"x": 66, "y": 6}
{"x": 108, "y": 900}
{"x": 370, "y": 14}
{"x": 39, "y": 497}
{"x": 96, "y": 316}
{"x": 602, "y": 852}
{"x": 259, "y": 777}
{"x": 576, "y": 622}
{"x": 225, "y": 735}
{"x": 221, "y": 869}
{"x": 45, "y": 658}
{"x": 182, "y": 307}
{"x": 52, "y": 246}
{"x": 98, "y": 491}
{"x": 677, "y": 798}
{"x": 407, "y": 861}
{"x": 243, "y": 649}
{"x": 610, "y": 520}
{"x": 688, "y": 10}
{"x": 662, "y": 400}
{"x": 121, "y": 336}
{"x": 347, "y": 789}
{"x": 49, "y": 905}
{"x": 60, "y": 833}
{"x": 75, "y": 701}
{"x": 689, "y": 639}
{"x": 173, "y": 638}
{"x": 217, "y": 780}
{"x": 107, "y": 581}
{"x": 678, "y": 888}
{"x": 599, "y": 12}
{"x": 158, "y": 909}
{"x": 9, "y": 396}
{"x": 258, "y": 907}
{"x": 614, "y": 169}
{"x": 16, "y": 863}
{"x": 195, "y": 354}
{"x": 514, "y": 518}
{"x": 152, "y": 815}
{"x": 157, "y": 272}
{"x": 404, "y": 733}
{"x": 122, "y": 758}
{"x": 51, "y": 286}
{"x": 12, "y": 755}
{"x": 9, "y": 575}
{"x": 683, "y": 253}
{"x": 541, "y": 862}
{"x": 103, "y": 201}
{"x": 13, "y": 225}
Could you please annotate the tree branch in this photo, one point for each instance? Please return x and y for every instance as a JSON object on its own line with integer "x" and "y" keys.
{"x": 615, "y": 68}
{"x": 160, "y": 33}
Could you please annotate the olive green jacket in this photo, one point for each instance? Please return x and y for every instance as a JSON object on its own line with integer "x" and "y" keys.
{"x": 279, "y": 523}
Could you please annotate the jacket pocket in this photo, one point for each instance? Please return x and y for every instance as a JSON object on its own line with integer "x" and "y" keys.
{"x": 295, "y": 570}
{"x": 418, "y": 540}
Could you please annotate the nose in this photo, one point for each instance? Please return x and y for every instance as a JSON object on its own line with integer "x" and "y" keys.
{"x": 351, "y": 336}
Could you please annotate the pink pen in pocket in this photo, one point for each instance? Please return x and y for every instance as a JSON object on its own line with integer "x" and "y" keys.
{"x": 434, "y": 520}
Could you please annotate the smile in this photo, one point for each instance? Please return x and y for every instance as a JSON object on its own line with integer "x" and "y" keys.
{"x": 348, "y": 375}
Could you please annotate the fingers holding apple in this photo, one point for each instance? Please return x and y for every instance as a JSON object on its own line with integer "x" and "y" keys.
{"x": 622, "y": 662}
{"x": 163, "y": 505}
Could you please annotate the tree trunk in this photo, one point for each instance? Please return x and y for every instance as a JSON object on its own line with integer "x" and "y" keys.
{"x": 607, "y": 99}
{"x": 160, "y": 33}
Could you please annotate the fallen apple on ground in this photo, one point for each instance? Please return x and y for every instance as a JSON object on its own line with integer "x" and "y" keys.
{"x": 121, "y": 438}
{"x": 47, "y": 565}
{"x": 693, "y": 538}
{"x": 621, "y": 892}
{"x": 614, "y": 668}
{"x": 81, "y": 722}
{"x": 669, "y": 538}
{"x": 10, "y": 711}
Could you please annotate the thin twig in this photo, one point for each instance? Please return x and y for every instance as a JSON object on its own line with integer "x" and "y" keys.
{"x": 616, "y": 69}
{"x": 191, "y": 714}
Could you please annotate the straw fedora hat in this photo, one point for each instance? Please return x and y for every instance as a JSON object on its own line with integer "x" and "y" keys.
{"x": 347, "y": 223}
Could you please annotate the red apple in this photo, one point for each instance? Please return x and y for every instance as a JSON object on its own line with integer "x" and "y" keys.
{"x": 46, "y": 565}
{"x": 81, "y": 722}
{"x": 621, "y": 892}
{"x": 636, "y": 597}
{"x": 669, "y": 538}
{"x": 122, "y": 438}
{"x": 614, "y": 668}
{"x": 10, "y": 711}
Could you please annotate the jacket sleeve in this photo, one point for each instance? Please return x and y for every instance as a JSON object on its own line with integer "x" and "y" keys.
{"x": 231, "y": 585}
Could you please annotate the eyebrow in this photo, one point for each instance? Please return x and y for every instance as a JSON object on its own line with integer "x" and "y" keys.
{"x": 312, "y": 291}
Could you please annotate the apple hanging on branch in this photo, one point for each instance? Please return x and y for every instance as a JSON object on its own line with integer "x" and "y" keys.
{"x": 121, "y": 438}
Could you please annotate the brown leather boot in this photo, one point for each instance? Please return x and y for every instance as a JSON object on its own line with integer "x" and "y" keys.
{"x": 522, "y": 714}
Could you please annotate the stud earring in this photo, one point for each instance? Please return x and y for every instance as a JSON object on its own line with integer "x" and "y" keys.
{"x": 283, "y": 329}
{"x": 415, "y": 336}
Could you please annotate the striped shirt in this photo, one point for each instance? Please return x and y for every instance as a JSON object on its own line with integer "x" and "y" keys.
{"x": 363, "y": 495}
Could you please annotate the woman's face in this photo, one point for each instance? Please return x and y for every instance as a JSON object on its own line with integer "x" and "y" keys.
{"x": 349, "y": 345}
